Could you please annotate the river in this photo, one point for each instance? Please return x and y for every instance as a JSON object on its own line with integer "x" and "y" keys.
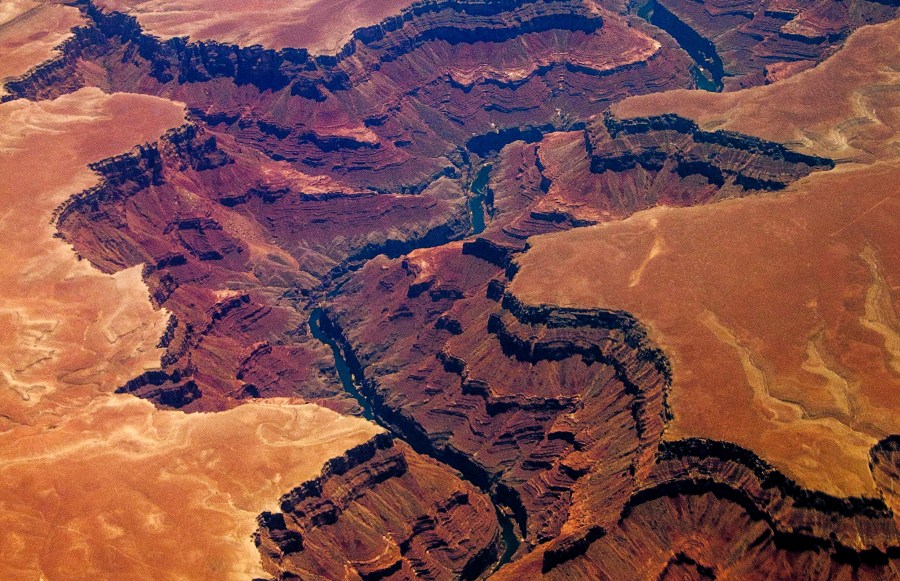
{"x": 476, "y": 200}
{"x": 511, "y": 541}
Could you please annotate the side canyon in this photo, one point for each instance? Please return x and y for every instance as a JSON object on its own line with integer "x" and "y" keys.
{"x": 450, "y": 289}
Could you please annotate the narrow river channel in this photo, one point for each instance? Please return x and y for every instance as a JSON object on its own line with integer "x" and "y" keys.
{"x": 511, "y": 541}
{"x": 477, "y": 199}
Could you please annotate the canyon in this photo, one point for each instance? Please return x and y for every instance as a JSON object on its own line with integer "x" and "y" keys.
{"x": 449, "y": 289}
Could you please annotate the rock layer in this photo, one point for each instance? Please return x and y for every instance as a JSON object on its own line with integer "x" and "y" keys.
{"x": 381, "y": 511}
{"x": 502, "y": 393}
{"x": 768, "y": 508}
{"x": 747, "y": 43}
{"x": 93, "y": 484}
{"x": 515, "y": 387}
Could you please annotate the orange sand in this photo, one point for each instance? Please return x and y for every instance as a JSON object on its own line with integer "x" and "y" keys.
{"x": 30, "y": 30}
{"x": 93, "y": 484}
{"x": 321, "y": 26}
{"x": 779, "y": 313}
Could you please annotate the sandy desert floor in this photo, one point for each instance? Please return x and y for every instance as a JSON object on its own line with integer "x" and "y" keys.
{"x": 778, "y": 312}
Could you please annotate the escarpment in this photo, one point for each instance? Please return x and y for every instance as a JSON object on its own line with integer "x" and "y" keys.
{"x": 394, "y": 106}
{"x": 746, "y": 43}
{"x": 726, "y": 511}
{"x": 613, "y": 168}
{"x": 885, "y": 465}
{"x": 508, "y": 401}
{"x": 381, "y": 511}
{"x": 271, "y": 195}
{"x": 233, "y": 241}
{"x": 349, "y": 228}
{"x": 511, "y": 399}
{"x": 728, "y": 161}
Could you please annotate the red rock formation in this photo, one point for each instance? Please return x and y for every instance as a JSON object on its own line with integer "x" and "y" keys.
{"x": 511, "y": 397}
{"x": 381, "y": 511}
{"x": 257, "y": 205}
{"x": 401, "y": 97}
{"x": 744, "y": 43}
{"x": 613, "y": 169}
{"x": 341, "y": 183}
{"x": 718, "y": 509}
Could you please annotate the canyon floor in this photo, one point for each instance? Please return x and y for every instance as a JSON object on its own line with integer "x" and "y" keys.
{"x": 569, "y": 289}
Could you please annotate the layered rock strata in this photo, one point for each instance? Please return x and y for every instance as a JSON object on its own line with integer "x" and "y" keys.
{"x": 396, "y": 104}
{"x": 502, "y": 393}
{"x": 614, "y": 168}
{"x": 381, "y": 511}
{"x": 747, "y": 43}
{"x": 348, "y": 181}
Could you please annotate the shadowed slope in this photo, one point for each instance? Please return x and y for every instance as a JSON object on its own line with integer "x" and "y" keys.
{"x": 802, "y": 345}
{"x": 97, "y": 485}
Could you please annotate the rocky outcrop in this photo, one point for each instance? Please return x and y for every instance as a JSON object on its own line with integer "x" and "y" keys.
{"x": 614, "y": 168}
{"x": 508, "y": 392}
{"x": 726, "y": 496}
{"x": 532, "y": 435}
{"x": 885, "y": 465}
{"x": 726, "y": 160}
{"x": 261, "y": 191}
{"x": 381, "y": 511}
{"x": 391, "y": 109}
{"x": 125, "y": 175}
{"x": 746, "y": 43}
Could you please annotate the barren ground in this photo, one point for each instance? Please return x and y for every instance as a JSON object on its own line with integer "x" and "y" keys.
{"x": 779, "y": 312}
{"x": 97, "y": 484}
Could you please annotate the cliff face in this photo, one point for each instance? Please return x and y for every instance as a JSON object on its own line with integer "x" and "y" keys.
{"x": 202, "y": 219}
{"x": 559, "y": 414}
{"x": 381, "y": 511}
{"x": 295, "y": 169}
{"x": 524, "y": 402}
{"x": 613, "y": 168}
{"x": 745, "y": 43}
{"x": 320, "y": 206}
{"x": 721, "y": 510}
{"x": 392, "y": 107}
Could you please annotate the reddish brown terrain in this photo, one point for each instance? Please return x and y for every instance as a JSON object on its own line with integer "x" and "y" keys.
{"x": 449, "y": 289}
{"x": 95, "y": 484}
{"x": 744, "y": 43}
{"x": 794, "y": 358}
{"x": 320, "y": 26}
{"x": 30, "y": 32}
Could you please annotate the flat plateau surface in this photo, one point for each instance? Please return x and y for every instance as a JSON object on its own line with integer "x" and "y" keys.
{"x": 30, "y": 30}
{"x": 98, "y": 485}
{"x": 778, "y": 312}
{"x": 276, "y": 24}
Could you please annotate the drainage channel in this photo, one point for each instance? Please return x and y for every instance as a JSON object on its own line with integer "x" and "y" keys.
{"x": 707, "y": 69}
{"x": 511, "y": 541}
{"x": 476, "y": 201}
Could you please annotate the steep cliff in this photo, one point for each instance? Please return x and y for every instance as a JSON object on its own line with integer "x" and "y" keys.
{"x": 746, "y": 43}
{"x": 394, "y": 105}
{"x": 312, "y": 232}
{"x": 614, "y": 168}
{"x": 522, "y": 401}
{"x": 381, "y": 511}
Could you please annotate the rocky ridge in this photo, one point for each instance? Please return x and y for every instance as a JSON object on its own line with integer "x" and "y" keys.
{"x": 743, "y": 44}
{"x": 343, "y": 183}
{"x": 385, "y": 512}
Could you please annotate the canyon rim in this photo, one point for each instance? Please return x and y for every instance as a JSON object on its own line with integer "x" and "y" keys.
{"x": 449, "y": 289}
